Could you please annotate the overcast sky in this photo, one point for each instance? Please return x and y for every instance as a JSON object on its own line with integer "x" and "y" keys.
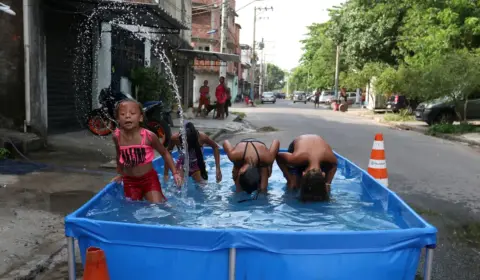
{"x": 285, "y": 27}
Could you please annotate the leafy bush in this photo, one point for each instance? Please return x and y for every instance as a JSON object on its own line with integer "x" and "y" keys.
{"x": 4, "y": 153}
{"x": 453, "y": 129}
{"x": 151, "y": 85}
{"x": 402, "y": 116}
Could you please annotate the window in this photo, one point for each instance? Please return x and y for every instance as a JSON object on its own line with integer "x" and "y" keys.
{"x": 207, "y": 49}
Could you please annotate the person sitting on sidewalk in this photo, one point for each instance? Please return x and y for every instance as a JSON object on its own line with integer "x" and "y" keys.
{"x": 221, "y": 95}
{"x": 252, "y": 164}
{"x": 204, "y": 100}
{"x": 195, "y": 141}
{"x": 310, "y": 165}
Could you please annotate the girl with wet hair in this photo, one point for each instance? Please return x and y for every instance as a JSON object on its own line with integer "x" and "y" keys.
{"x": 135, "y": 148}
{"x": 195, "y": 141}
{"x": 252, "y": 163}
{"x": 309, "y": 165}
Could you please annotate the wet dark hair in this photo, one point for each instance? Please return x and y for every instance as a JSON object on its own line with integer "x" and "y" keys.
{"x": 117, "y": 106}
{"x": 194, "y": 144}
{"x": 250, "y": 179}
{"x": 313, "y": 186}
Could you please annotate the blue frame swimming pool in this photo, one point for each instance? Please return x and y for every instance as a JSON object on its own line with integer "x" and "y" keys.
{"x": 142, "y": 251}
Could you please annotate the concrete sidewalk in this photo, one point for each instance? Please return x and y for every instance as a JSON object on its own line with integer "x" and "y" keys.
{"x": 421, "y": 127}
{"x": 83, "y": 143}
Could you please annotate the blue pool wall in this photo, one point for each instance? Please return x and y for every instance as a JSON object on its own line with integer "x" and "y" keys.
{"x": 140, "y": 251}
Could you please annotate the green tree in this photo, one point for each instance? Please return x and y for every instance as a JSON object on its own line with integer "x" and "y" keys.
{"x": 367, "y": 31}
{"x": 275, "y": 77}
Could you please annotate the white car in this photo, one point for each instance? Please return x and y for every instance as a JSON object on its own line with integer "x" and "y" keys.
{"x": 299, "y": 96}
{"x": 326, "y": 97}
{"x": 268, "y": 97}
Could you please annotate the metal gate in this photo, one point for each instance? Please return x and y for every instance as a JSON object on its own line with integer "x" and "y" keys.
{"x": 69, "y": 71}
{"x": 128, "y": 53}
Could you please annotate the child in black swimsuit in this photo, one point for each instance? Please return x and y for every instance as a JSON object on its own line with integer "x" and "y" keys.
{"x": 252, "y": 163}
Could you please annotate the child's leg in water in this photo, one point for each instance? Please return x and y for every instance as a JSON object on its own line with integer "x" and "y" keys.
{"x": 197, "y": 176}
{"x": 155, "y": 197}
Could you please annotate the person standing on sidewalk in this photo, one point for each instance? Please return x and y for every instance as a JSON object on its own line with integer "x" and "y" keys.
{"x": 317, "y": 99}
{"x": 228, "y": 103}
{"x": 204, "y": 97}
{"x": 221, "y": 95}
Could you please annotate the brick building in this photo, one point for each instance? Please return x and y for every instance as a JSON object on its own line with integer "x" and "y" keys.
{"x": 206, "y": 34}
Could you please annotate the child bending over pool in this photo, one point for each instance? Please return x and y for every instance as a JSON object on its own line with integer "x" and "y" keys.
{"x": 135, "y": 152}
{"x": 252, "y": 163}
{"x": 195, "y": 141}
{"x": 310, "y": 165}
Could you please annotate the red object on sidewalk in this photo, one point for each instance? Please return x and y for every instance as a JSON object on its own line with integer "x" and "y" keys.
{"x": 247, "y": 100}
{"x": 336, "y": 106}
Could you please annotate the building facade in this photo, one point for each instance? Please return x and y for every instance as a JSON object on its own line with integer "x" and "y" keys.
{"x": 206, "y": 35}
{"x": 63, "y": 52}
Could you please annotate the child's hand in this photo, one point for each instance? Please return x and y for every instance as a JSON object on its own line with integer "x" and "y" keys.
{"x": 117, "y": 179}
{"x": 219, "y": 175}
{"x": 178, "y": 179}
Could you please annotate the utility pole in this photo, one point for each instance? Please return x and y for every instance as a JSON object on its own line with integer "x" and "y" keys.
{"x": 254, "y": 59}
{"x": 223, "y": 36}
{"x": 337, "y": 72}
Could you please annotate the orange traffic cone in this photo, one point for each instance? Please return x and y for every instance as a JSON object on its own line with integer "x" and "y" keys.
{"x": 377, "y": 167}
{"x": 95, "y": 265}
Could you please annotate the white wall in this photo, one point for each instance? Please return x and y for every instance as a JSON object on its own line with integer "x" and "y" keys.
{"x": 212, "y": 79}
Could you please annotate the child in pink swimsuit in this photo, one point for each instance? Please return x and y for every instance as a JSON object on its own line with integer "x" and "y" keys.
{"x": 135, "y": 153}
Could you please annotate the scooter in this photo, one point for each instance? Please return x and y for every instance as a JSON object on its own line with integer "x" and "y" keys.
{"x": 102, "y": 121}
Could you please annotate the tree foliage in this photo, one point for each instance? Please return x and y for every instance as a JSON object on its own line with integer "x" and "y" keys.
{"x": 275, "y": 77}
{"x": 426, "y": 49}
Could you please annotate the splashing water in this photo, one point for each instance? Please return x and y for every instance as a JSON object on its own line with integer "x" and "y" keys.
{"x": 165, "y": 61}
{"x": 86, "y": 42}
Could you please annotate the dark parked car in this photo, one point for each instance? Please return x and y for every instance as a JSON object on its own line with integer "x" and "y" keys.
{"x": 398, "y": 102}
{"x": 443, "y": 110}
{"x": 280, "y": 95}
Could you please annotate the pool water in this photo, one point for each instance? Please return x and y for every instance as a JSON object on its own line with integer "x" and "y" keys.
{"x": 217, "y": 206}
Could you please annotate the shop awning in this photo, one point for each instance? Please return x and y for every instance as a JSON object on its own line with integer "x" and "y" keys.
{"x": 210, "y": 56}
{"x": 122, "y": 12}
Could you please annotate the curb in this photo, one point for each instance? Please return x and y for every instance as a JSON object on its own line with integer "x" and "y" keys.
{"x": 437, "y": 135}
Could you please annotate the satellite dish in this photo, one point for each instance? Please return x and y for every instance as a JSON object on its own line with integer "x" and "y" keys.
{"x": 6, "y": 9}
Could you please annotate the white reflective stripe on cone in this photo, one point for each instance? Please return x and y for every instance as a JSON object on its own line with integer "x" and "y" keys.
{"x": 378, "y": 145}
{"x": 377, "y": 164}
{"x": 383, "y": 181}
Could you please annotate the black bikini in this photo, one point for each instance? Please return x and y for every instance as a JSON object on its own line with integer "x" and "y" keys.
{"x": 251, "y": 141}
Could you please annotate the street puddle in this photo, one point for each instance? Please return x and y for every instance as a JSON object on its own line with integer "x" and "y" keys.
{"x": 68, "y": 201}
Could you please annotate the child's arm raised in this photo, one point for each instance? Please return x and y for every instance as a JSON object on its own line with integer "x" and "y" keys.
{"x": 216, "y": 152}
{"x": 167, "y": 158}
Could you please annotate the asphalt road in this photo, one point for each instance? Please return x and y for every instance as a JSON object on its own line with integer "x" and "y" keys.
{"x": 438, "y": 177}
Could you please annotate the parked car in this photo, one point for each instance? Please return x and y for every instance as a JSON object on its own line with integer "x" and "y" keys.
{"x": 268, "y": 97}
{"x": 351, "y": 98}
{"x": 398, "y": 102}
{"x": 326, "y": 97}
{"x": 280, "y": 95}
{"x": 443, "y": 109}
{"x": 299, "y": 96}
{"x": 311, "y": 98}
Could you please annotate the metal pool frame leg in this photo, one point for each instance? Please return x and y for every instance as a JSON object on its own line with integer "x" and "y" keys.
{"x": 427, "y": 271}
{"x": 232, "y": 260}
{"x": 71, "y": 258}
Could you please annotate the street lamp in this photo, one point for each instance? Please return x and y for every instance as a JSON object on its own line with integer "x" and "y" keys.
{"x": 6, "y": 9}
